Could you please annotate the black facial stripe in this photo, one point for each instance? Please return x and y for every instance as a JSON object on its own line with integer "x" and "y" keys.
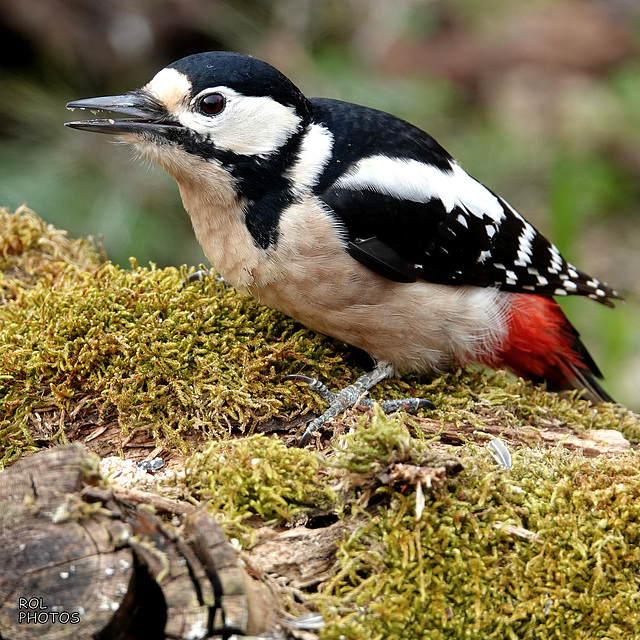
{"x": 263, "y": 218}
{"x": 261, "y": 181}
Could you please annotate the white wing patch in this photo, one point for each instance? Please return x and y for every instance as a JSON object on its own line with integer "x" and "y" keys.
{"x": 412, "y": 180}
{"x": 526, "y": 265}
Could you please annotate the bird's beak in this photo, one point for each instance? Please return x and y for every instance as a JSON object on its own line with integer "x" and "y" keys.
{"x": 145, "y": 114}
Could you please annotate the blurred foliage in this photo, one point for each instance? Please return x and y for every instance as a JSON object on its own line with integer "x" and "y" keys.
{"x": 539, "y": 100}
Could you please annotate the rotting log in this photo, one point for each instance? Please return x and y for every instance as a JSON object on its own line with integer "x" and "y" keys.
{"x": 76, "y": 561}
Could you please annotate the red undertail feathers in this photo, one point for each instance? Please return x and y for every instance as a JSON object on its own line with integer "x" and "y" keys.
{"x": 543, "y": 346}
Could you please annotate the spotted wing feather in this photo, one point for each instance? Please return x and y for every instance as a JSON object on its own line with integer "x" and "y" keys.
{"x": 411, "y": 212}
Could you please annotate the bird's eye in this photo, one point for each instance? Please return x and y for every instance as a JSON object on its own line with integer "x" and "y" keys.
{"x": 211, "y": 104}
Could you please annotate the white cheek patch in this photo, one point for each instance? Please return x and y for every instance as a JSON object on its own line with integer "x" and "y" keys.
{"x": 172, "y": 88}
{"x": 248, "y": 125}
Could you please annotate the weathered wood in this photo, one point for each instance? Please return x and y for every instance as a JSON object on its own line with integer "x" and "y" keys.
{"x": 188, "y": 595}
{"x": 79, "y": 561}
{"x": 305, "y": 556}
{"x": 61, "y": 569}
{"x": 244, "y": 602}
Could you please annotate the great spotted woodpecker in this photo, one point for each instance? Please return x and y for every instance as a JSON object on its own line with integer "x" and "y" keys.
{"x": 357, "y": 224}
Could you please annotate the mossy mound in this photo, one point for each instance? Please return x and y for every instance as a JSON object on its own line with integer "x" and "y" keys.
{"x": 32, "y": 250}
{"x": 549, "y": 548}
{"x": 546, "y": 549}
{"x": 258, "y": 477}
{"x": 82, "y": 338}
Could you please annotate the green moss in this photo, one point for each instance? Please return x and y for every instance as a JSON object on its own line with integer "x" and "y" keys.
{"x": 457, "y": 573}
{"x": 160, "y": 355}
{"x": 464, "y": 569}
{"x": 189, "y": 363}
{"x": 380, "y": 444}
{"x": 32, "y": 250}
{"x": 139, "y": 347}
{"x": 478, "y": 397}
{"x": 259, "y": 476}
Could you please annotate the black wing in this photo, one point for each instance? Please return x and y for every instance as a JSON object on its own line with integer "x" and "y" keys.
{"x": 412, "y": 213}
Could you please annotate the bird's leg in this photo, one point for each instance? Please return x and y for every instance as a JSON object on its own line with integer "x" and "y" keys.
{"x": 343, "y": 399}
{"x": 352, "y": 395}
{"x": 197, "y": 276}
{"x": 203, "y": 274}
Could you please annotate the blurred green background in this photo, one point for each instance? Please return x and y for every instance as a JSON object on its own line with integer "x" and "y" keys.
{"x": 540, "y": 100}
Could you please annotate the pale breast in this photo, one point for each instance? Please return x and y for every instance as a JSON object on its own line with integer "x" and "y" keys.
{"x": 416, "y": 326}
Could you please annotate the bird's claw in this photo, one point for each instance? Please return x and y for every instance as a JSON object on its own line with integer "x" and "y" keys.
{"x": 196, "y": 276}
{"x": 202, "y": 274}
{"x": 410, "y": 405}
{"x": 315, "y": 385}
{"x": 353, "y": 396}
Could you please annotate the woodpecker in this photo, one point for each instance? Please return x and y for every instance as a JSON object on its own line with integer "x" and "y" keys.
{"x": 357, "y": 224}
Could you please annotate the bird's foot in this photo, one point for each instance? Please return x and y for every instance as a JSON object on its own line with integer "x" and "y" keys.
{"x": 353, "y": 395}
{"x": 202, "y": 274}
{"x": 197, "y": 276}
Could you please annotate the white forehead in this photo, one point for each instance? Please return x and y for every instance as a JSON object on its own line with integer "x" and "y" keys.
{"x": 171, "y": 87}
